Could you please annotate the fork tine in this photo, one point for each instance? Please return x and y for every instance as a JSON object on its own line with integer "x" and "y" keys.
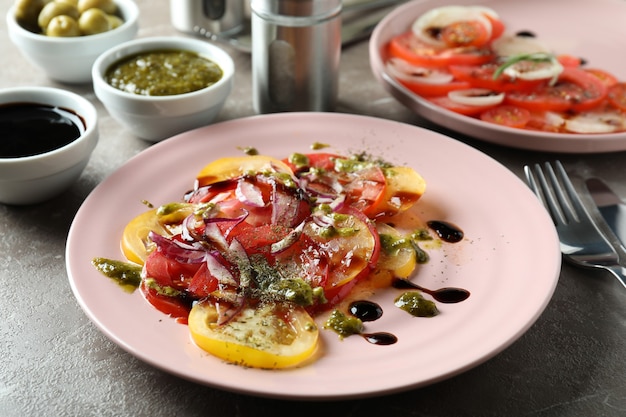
{"x": 578, "y": 209}
{"x": 568, "y": 201}
{"x": 545, "y": 191}
{"x": 556, "y": 192}
{"x": 531, "y": 179}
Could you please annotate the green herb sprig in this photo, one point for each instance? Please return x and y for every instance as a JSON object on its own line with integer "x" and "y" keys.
{"x": 534, "y": 57}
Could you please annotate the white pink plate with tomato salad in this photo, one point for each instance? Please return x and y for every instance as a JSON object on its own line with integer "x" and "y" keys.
{"x": 508, "y": 292}
{"x": 593, "y": 32}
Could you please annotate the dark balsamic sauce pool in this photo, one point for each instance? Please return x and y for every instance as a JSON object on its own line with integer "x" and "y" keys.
{"x": 448, "y": 232}
{"x": 28, "y": 129}
{"x": 446, "y": 295}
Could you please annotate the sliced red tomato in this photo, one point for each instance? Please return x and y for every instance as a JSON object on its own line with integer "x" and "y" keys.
{"x": 434, "y": 90}
{"x": 569, "y": 60}
{"x": 172, "y": 306}
{"x": 497, "y": 26}
{"x": 364, "y": 187}
{"x": 460, "y": 108}
{"x": 203, "y": 282}
{"x": 482, "y": 76}
{"x": 507, "y": 115}
{"x": 546, "y": 121}
{"x": 168, "y": 272}
{"x": 209, "y": 192}
{"x": 575, "y": 90}
{"x": 303, "y": 162}
{"x": 617, "y": 96}
{"x": 406, "y": 46}
{"x": 258, "y": 239}
{"x": 465, "y": 33}
{"x": 606, "y": 77}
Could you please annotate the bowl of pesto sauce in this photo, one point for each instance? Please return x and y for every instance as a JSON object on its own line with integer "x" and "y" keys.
{"x": 161, "y": 86}
{"x": 163, "y": 73}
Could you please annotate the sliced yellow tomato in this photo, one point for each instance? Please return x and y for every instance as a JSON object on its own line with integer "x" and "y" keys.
{"x": 401, "y": 262}
{"x": 232, "y": 167}
{"x": 270, "y": 336}
{"x": 135, "y": 243}
{"x": 404, "y": 187}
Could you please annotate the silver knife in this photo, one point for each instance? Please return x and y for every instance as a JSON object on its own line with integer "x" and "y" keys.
{"x": 611, "y": 207}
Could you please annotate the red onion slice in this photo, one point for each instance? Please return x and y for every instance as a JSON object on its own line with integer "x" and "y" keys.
{"x": 238, "y": 256}
{"x": 180, "y": 251}
{"x": 286, "y": 242}
{"x": 220, "y": 271}
{"x": 249, "y": 193}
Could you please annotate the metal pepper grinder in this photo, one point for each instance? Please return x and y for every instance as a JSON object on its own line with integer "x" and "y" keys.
{"x": 296, "y": 48}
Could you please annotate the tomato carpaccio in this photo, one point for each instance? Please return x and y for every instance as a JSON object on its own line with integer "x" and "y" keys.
{"x": 452, "y": 48}
{"x": 302, "y": 228}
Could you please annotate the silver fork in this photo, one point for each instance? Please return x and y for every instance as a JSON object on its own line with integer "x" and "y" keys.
{"x": 582, "y": 243}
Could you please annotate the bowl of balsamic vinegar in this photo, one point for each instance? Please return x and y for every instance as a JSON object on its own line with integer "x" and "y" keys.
{"x": 47, "y": 136}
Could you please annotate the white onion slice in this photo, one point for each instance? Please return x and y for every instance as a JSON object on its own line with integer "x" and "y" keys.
{"x": 529, "y": 70}
{"x": 476, "y": 97}
{"x": 436, "y": 19}
{"x": 403, "y": 70}
{"x": 554, "y": 120}
{"x": 510, "y": 45}
{"x": 601, "y": 122}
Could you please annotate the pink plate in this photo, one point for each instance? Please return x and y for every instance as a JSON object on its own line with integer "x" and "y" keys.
{"x": 594, "y": 31}
{"x": 509, "y": 259}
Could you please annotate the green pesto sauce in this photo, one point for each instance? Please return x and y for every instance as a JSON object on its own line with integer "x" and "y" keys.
{"x": 163, "y": 73}
{"x": 162, "y": 289}
{"x": 422, "y": 255}
{"x": 169, "y": 208}
{"x": 316, "y": 146}
{"x": 330, "y": 232}
{"x": 294, "y": 290}
{"x": 391, "y": 245}
{"x": 271, "y": 285}
{"x": 249, "y": 150}
{"x": 343, "y": 324}
{"x": 421, "y": 234}
{"x": 299, "y": 160}
{"x": 127, "y": 275}
{"x": 415, "y": 304}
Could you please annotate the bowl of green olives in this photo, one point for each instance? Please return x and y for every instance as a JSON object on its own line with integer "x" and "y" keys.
{"x": 64, "y": 37}
{"x": 157, "y": 87}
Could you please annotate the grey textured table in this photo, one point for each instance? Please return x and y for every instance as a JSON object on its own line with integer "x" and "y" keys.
{"x": 55, "y": 362}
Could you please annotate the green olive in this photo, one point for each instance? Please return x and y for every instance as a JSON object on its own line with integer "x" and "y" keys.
{"x": 108, "y": 6}
{"x": 114, "y": 21}
{"x": 27, "y": 13}
{"x": 93, "y": 21}
{"x": 63, "y": 26}
{"x": 56, "y": 8}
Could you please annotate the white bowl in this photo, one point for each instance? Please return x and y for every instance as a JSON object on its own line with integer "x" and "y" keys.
{"x": 33, "y": 179}
{"x": 155, "y": 118}
{"x": 69, "y": 60}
